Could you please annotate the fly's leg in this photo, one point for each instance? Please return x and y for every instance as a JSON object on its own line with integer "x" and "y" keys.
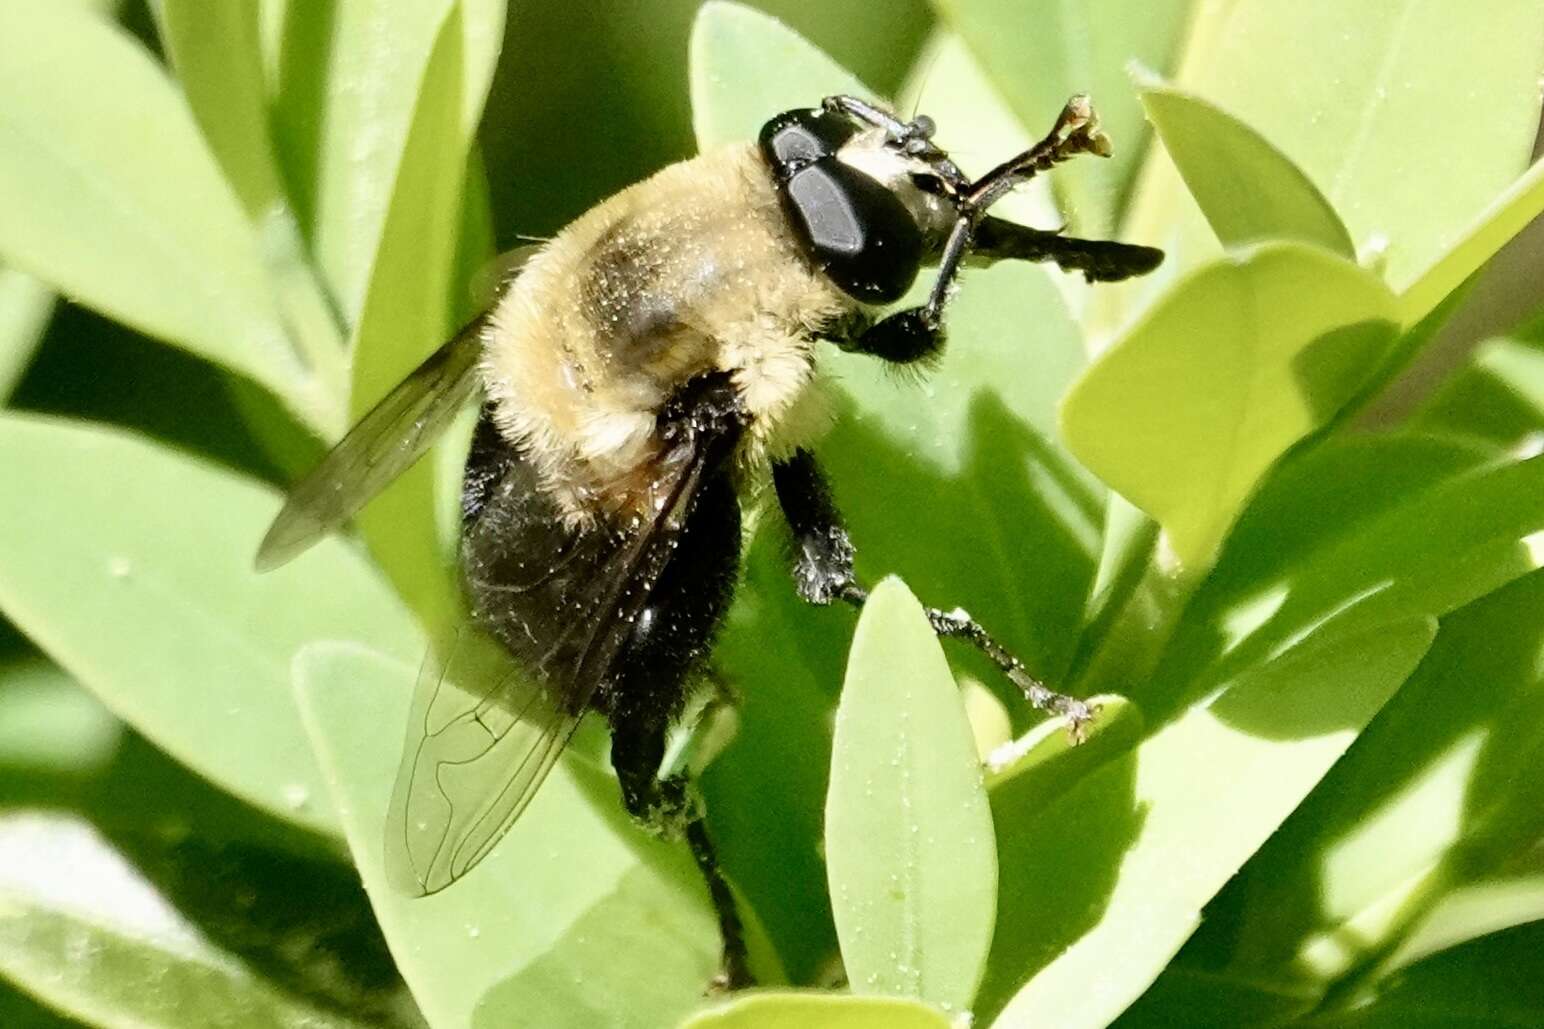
{"x": 670, "y": 808}
{"x": 823, "y": 572}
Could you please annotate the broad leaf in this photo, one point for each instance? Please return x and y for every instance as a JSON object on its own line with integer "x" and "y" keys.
{"x": 828, "y": 1010}
{"x": 131, "y": 565}
{"x": 1188, "y": 409}
{"x": 729, "y": 102}
{"x": 150, "y": 235}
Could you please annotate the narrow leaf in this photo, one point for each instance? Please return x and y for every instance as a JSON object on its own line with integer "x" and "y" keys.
{"x": 908, "y": 832}
{"x": 26, "y": 305}
{"x": 406, "y": 316}
{"x": 215, "y": 51}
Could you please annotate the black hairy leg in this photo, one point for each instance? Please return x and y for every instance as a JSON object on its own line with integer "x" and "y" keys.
{"x": 823, "y": 572}
{"x": 667, "y": 644}
{"x": 670, "y": 807}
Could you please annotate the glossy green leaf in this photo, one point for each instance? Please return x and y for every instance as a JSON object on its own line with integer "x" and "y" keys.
{"x": 1186, "y": 411}
{"x": 1392, "y": 85}
{"x": 908, "y": 831}
{"x": 1039, "y": 54}
{"x": 26, "y": 305}
{"x": 82, "y": 931}
{"x": 407, "y": 315}
{"x": 151, "y": 235}
{"x": 131, "y": 565}
{"x": 730, "y": 40}
{"x": 1248, "y": 190}
{"x": 511, "y": 934}
{"x": 368, "y": 63}
{"x": 1114, "y": 873}
{"x": 770, "y": 1010}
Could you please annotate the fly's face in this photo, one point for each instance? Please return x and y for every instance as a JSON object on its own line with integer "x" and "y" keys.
{"x": 869, "y": 203}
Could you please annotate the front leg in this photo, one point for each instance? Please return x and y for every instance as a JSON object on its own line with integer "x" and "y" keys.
{"x": 823, "y": 572}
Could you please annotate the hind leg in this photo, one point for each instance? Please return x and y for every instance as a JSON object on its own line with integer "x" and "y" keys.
{"x": 670, "y": 638}
{"x": 671, "y": 807}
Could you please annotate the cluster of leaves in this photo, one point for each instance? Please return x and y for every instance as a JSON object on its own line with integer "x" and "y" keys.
{"x": 1307, "y": 798}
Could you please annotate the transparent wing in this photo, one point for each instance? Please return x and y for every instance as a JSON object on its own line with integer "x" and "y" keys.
{"x": 387, "y": 441}
{"x": 481, "y": 739}
{"x": 485, "y": 732}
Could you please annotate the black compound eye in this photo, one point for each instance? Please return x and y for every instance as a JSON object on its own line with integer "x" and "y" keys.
{"x": 855, "y": 230}
{"x": 796, "y": 139}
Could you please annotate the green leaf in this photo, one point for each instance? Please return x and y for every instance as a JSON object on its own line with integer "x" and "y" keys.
{"x": 513, "y": 930}
{"x": 793, "y": 1010}
{"x": 613, "y": 951}
{"x": 214, "y": 50}
{"x": 150, "y": 235}
{"x": 1506, "y": 216}
{"x": 49, "y": 725}
{"x": 1113, "y": 875}
{"x": 26, "y": 306}
{"x": 367, "y": 63}
{"x": 1492, "y": 983}
{"x": 131, "y": 565}
{"x": 1435, "y": 795}
{"x": 1243, "y": 359}
{"x": 1040, "y": 54}
{"x": 1248, "y": 190}
{"x": 1460, "y": 531}
{"x": 730, "y": 101}
{"x": 407, "y": 315}
{"x": 765, "y": 793}
{"x": 908, "y": 831}
{"x": 83, "y": 932}
{"x": 1365, "y": 97}
{"x": 1497, "y": 396}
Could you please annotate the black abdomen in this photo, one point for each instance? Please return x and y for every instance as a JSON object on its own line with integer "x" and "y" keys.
{"x": 592, "y": 612}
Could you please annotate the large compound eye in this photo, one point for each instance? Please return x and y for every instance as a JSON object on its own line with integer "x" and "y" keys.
{"x": 854, "y": 229}
{"x": 796, "y": 139}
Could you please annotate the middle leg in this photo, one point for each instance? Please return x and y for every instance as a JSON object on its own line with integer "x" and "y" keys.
{"x": 823, "y": 572}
